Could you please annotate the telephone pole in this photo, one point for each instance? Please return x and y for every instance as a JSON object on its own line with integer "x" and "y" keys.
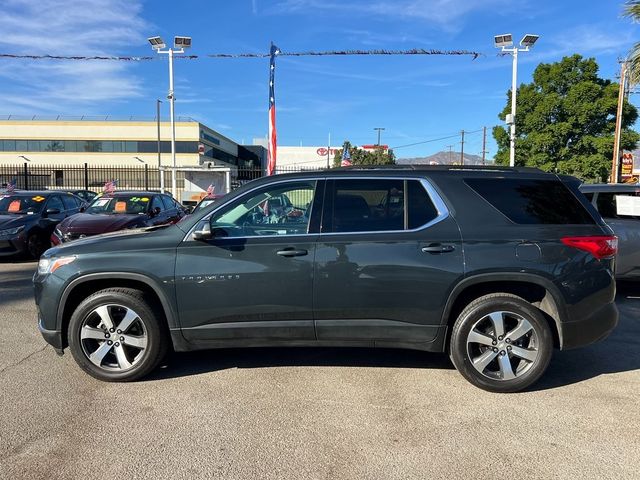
{"x": 462, "y": 148}
{"x": 379, "y": 129}
{"x": 484, "y": 144}
{"x": 615, "y": 163}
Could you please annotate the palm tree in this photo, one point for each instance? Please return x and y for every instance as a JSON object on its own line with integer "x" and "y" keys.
{"x": 632, "y": 11}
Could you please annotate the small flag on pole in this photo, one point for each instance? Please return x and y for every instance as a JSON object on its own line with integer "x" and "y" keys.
{"x": 210, "y": 191}
{"x": 271, "y": 150}
{"x": 11, "y": 186}
{"x": 110, "y": 186}
{"x": 346, "y": 156}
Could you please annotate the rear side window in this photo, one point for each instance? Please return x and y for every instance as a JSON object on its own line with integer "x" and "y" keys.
{"x": 619, "y": 204}
{"x": 69, "y": 202}
{"x": 532, "y": 201}
{"x": 169, "y": 204}
{"x": 379, "y": 205}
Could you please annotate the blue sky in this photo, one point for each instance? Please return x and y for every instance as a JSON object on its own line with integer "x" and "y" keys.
{"x": 415, "y": 98}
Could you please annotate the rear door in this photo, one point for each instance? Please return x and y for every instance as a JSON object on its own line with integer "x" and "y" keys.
{"x": 386, "y": 259}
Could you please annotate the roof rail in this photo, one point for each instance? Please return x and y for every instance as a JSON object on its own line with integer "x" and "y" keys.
{"x": 494, "y": 168}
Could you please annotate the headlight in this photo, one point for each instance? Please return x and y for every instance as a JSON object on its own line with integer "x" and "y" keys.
{"x": 50, "y": 265}
{"x": 11, "y": 231}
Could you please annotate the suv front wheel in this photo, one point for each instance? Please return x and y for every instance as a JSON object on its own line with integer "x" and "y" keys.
{"x": 116, "y": 335}
{"x": 501, "y": 343}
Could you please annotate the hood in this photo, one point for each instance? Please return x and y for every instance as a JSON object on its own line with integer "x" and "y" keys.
{"x": 89, "y": 224}
{"x": 13, "y": 221}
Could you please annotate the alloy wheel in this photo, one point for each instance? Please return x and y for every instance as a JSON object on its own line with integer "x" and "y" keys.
{"x": 503, "y": 345}
{"x": 113, "y": 337}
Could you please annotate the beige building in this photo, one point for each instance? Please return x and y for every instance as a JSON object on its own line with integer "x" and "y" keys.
{"x": 117, "y": 143}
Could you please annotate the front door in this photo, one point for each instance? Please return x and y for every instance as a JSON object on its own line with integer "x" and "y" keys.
{"x": 252, "y": 281}
{"x": 383, "y": 271}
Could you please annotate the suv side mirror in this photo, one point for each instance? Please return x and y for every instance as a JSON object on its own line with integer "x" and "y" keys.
{"x": 51, "y": 211}
{"x": 154, "y": 212}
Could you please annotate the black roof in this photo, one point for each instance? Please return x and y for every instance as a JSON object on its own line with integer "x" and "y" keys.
{"x": 32, "y": 193}
{"x": 130, "y": 192}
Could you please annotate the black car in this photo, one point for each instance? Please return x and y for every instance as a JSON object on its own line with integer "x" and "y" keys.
{"x": 476, "y": 262}
{"x": 27, "y": 219}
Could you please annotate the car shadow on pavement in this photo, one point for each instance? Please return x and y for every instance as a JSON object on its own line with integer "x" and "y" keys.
{"x": 15, "y": 280}
{"x": 194, "y": 363}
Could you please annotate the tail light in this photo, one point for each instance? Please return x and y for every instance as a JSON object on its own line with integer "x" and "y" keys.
{"x": 604, "y": 246}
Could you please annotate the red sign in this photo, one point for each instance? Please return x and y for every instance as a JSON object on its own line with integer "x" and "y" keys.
{"x": 322, "y": 151}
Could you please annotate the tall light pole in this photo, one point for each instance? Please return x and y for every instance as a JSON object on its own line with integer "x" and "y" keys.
{"x": 505, "y": 43}
{"x": 179, "y": 45}
{"x": 379, "y": 129}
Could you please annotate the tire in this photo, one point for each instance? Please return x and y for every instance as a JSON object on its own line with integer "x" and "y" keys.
{"x": 507, "y": 358}
{"x": 135, "y": 349}
{"x": 36, "y": 245}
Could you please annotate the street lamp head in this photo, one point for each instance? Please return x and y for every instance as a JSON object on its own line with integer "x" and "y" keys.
{"x": 528, "y": 40}
{"x": 156, "y": 43}
{"x": 504, "y": 40}
{"x": 182, "y": 42}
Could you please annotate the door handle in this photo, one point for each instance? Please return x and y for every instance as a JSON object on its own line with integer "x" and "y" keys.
{"x": 438, "y": 248}
{"x": 291, "y": 252}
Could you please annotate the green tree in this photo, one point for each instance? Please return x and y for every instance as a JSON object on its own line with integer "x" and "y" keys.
{"x": 565, "y": 121}
{"x": 379, "y": 156}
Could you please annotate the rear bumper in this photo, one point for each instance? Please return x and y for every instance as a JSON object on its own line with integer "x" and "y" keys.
{"x": 591, "y": 329}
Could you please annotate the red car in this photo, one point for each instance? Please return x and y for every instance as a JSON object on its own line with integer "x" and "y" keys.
{"x": 119, "y": 211}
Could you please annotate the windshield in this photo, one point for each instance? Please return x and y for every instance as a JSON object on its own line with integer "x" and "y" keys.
{"x": 205, "y": 203}
{"x": 119, "y": 205}
{"x": 21, "y": 205}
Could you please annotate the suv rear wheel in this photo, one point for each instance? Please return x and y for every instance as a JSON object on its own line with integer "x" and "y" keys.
{"x": 501, "y": 343}
{"x": 116, "y": 335}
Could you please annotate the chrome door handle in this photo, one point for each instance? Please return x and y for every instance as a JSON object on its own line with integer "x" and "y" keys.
{"x": 438, "y": 248}
{"x": 290, "y": 252}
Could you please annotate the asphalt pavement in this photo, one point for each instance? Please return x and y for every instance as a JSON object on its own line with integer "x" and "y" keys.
{"x": 312, "y": 413}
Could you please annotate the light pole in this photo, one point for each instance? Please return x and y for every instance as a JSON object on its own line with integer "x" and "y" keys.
{"x": 379, "y": 129}
{"x": 505, "y": 43}
{"x": 179, "y": 45}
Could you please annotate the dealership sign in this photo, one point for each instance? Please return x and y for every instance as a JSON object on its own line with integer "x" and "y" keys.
{"x": 323, "y": 151}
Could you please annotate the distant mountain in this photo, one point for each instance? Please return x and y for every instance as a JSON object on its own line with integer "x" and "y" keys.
{"x": 444, "y": 158}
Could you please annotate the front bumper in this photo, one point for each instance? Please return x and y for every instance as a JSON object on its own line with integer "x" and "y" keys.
{"x": 52, "y": 337}
{"x": 13, "y": 245}
{"x": 590, "y": 329}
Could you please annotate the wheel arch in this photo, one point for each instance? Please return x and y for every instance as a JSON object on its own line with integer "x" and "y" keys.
{"x": 81, "y": 287}
{"x": 537, "y": 290}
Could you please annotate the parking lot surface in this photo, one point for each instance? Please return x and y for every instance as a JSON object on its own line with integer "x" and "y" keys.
{"x": 312, "y": 413}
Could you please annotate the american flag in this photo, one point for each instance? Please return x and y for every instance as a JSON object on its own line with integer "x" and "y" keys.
{"x": 210, "y": 190}
{"x": 110, "y": 186}
{"x": 11, "y": 186}
{"x": 346, "y": 156}
{"x": 271, "y": 150}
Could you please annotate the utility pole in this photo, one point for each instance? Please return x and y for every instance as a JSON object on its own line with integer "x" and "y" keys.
{"x": 484, "y": 144}
{"x": 160, "y": 172}
{"x": 615, "y": 163}
{"x": 462, "y": 148}
{"x": 450, "y": 147}
{"x": 379, "y": 129}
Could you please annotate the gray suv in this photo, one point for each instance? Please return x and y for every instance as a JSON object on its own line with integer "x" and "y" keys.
{"x": 494, "y": 266}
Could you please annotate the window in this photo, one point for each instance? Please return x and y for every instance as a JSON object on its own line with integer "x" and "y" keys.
{"x": 69, "y": 202}
{"x": 283, "y": 209}
{"x": 55, "y": 202}
{"x": 169, "y": 204}
{"x": 619, "y": 204}
{"x": 156, "y": 202}
{"x": 526, "y": 201}
{"x": 421, "y": 208}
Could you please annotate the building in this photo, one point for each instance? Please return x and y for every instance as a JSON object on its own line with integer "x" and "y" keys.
{"x": 74, "y": 142}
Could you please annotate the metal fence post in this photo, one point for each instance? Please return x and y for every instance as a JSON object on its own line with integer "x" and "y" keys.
{"x": 146, "y": 177}
{"x": 86, "y": 176}
{"x": 26, "y": 176}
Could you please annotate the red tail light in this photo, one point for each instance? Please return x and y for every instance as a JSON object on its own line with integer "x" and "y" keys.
{"x": 605, "y": 246}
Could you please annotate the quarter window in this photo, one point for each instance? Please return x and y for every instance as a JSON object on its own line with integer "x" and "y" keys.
{"x": 619, "y": 204}
{"x": 283, "y": 209}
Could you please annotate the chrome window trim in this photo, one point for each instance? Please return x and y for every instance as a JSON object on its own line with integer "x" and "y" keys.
{"x": 436, "y": 199}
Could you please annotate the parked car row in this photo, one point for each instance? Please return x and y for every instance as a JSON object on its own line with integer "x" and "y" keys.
{"x": 33, "y": 221}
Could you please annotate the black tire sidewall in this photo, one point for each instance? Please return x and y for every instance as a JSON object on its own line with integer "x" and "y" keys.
{"x": 155, "y": 336}
{"x": 474, "y": 312}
